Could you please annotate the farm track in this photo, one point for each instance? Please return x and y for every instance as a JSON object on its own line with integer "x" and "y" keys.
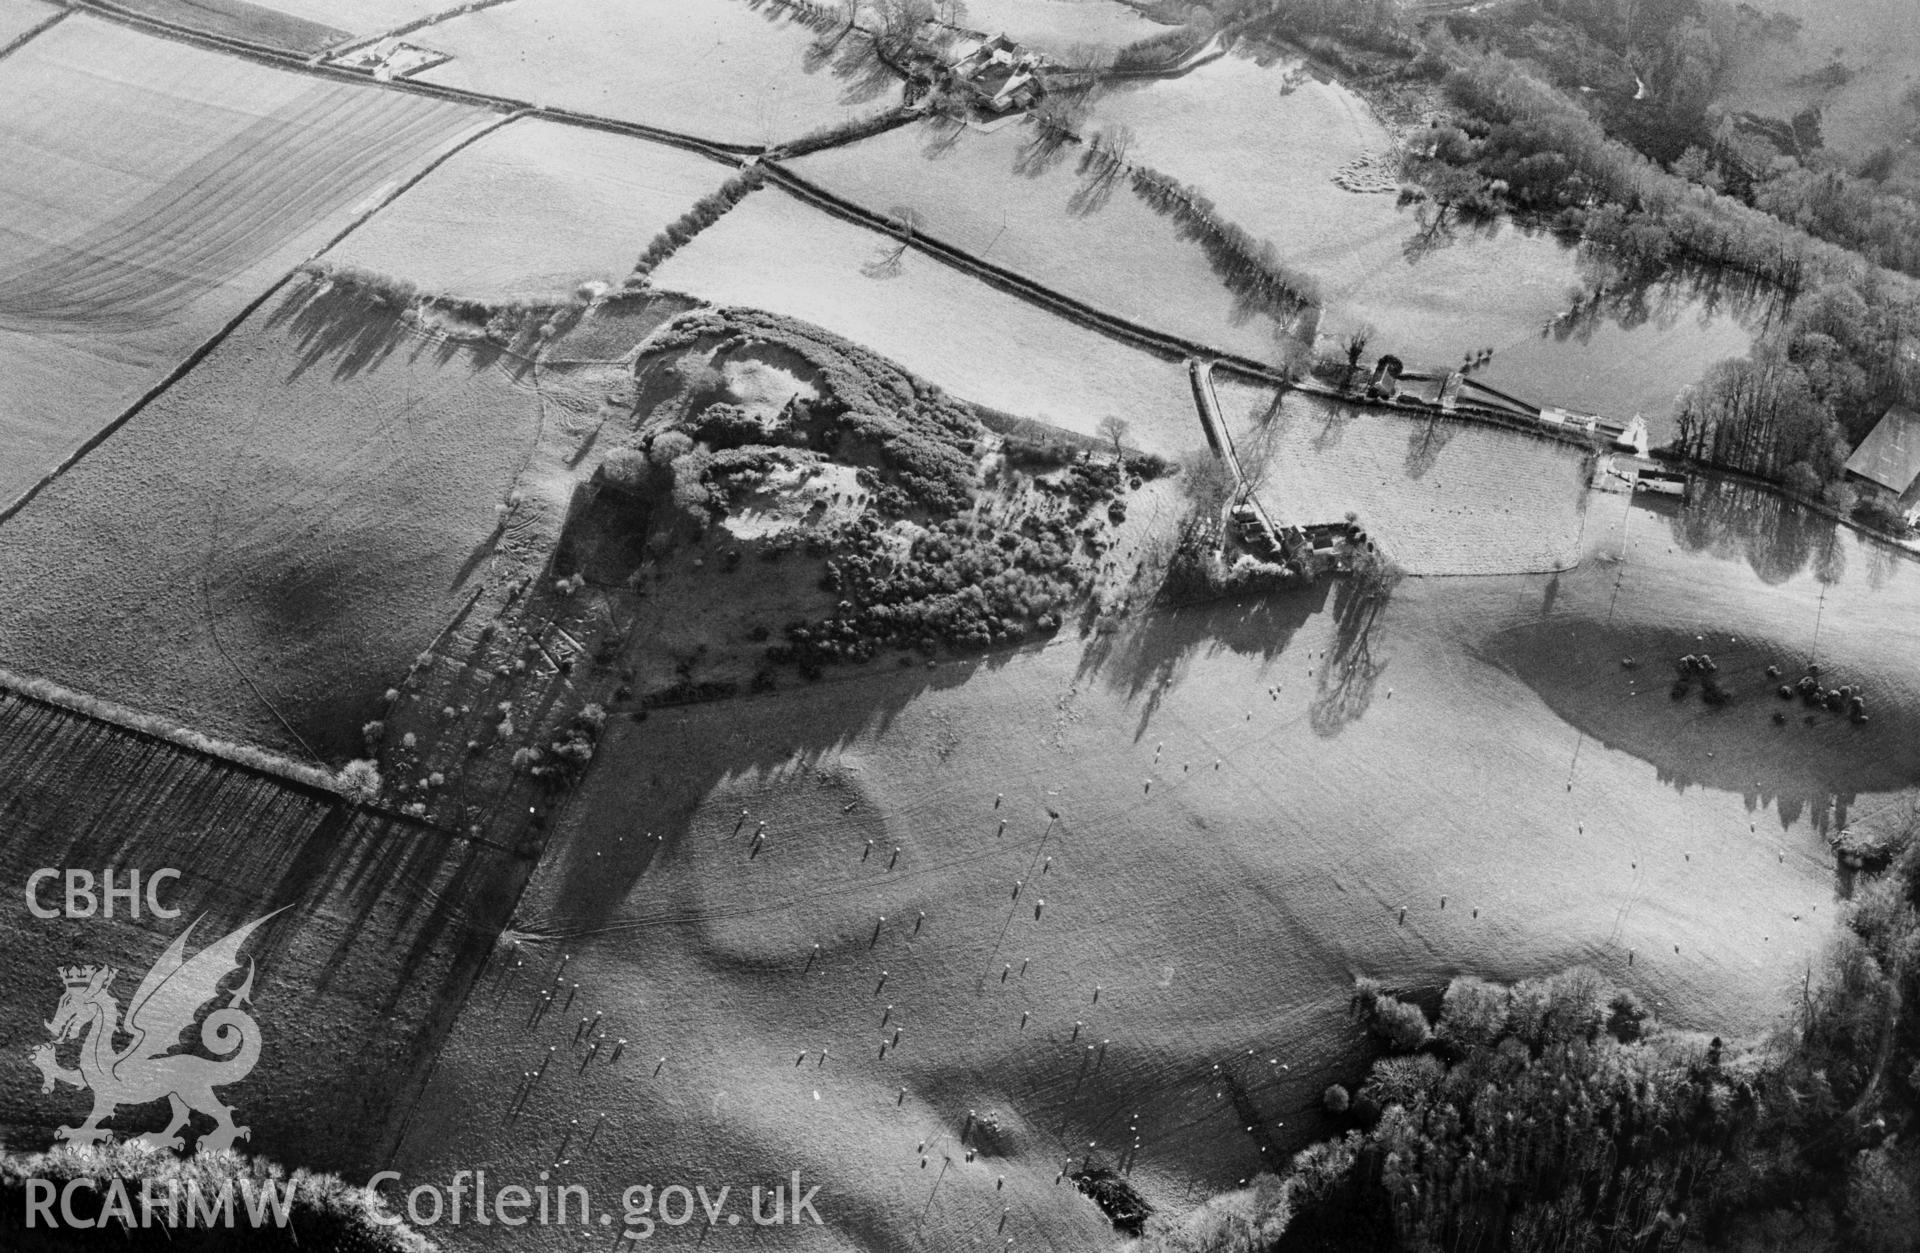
{"x": 214, "y": 218}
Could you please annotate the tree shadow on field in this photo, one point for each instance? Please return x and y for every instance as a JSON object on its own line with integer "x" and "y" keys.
{"x": 1147, "y": 657}
{"x": 358, "y": 333}
{"x": 386, "y": 921}
{"x": 944, "y": 140}
{"x": 1804, "y": 760}
{"x": 1095, "y": 189}
{"x": 1775, "y": 537}
{"x": 1348, "y": 675}
{"x": 1043, "y": 151}
{"x": 335, "y": 322}
{"x": 1336, "y": 417}
{"x": 1425, "y": 442}
{"x": 851, "y": 57}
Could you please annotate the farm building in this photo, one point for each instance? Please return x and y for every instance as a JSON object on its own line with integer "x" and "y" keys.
{"x": 1889, "y": 457}
{"x": 1001, "y": 75}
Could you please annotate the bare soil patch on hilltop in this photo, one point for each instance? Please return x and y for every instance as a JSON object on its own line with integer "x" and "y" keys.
{"x": 1852, "y": 60}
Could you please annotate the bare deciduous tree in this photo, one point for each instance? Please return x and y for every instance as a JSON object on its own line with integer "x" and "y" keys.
{"x": 1355, "y": 345}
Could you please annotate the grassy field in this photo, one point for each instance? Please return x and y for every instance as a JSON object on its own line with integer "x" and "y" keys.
{"x": 1266, "y": 142}
{"x": 238, "y": 19}
{"x": 153, "y": 190}
{"x": 533, "y": 209}
{"x": 718, "y": 69}
{"x": 263, "y": 550}
{"x": 1061, "y": 28}
{"x": 995, "y": 196}
{"x": 1876, "y": 40}
{"x": 1247, "y": 797}
{"x": 17, "y": 17}
{"x": 1442, "y": 498}
{"x": 364, "y": 17}
{"x": 389, "y": 921}
{"x": 774, "y": 252}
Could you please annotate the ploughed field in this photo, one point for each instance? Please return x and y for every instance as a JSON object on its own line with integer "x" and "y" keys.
{"x": 155, "y": 189}
{"x": 386, "y": 922}
{"x": 1225, "y": 811}
{"x": 264, "y": 549}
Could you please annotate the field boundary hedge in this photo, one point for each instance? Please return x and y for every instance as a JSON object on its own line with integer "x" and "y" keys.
{"x": 219, "y": 336}
{"x": 32, "y": 32}
{"x": 703, "y": 213}
{"x": 122, "y": 718}
{"x": 1161, "y": 343}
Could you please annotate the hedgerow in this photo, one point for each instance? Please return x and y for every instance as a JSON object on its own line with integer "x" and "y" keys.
{"x": 705, "y": 212}
{"x": 1251, "y": 267}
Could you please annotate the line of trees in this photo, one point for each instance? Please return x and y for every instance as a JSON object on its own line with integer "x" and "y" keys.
{"x": 1251, "y": 267}
{"x": 707, "y": 210}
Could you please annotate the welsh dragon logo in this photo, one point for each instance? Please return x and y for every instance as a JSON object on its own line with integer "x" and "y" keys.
{"x": 162, "y": 1010}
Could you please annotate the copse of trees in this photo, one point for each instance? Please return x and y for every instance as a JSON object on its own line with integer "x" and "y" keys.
{"x": 1812, "y": 386}
{"x": 964, "y": 584}
{"x": 1816, "y": 379}
{"x": 1557, "y": 1114}
{"x": 1847, "y": 209}
{"x": 1522, "y": 143}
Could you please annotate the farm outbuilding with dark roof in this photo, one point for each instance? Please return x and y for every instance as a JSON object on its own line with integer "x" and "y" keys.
{"x": 1890, "y": 454}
